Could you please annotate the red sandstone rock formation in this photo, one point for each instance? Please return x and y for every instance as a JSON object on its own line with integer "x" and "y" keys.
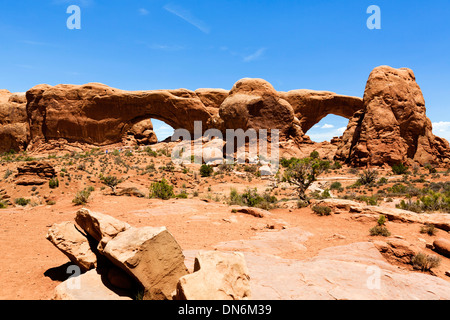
{"x": 388, "y": 126}
{"x": 14, "y": 129}
{"x": 393, "y": 126}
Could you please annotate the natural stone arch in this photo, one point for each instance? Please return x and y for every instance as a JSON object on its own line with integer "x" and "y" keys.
{"x": 311, "y": 107}
{"x": 99, "y": 115}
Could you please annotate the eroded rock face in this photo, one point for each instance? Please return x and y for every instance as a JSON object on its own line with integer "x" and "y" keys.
{"x": 255, "y": 104}
{"x": 14, "y": 128}
{"x": 34, "y": 173}
{"x": 394, "y": 126}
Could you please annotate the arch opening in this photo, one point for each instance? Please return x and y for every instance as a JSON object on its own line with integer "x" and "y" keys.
{"x": 162, "y": 130}
{"x": 328, "y": 128}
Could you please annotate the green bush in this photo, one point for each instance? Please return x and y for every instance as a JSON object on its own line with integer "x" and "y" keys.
{"x": 22, "y": 201}
{"x": 368, "y": 177}
{"x": 383, "y": 180}
{"x": 161, "y": 190}
{"x": 336, "y": 165}
{"x": 430, "y": 168}
{"x": 251, "y": 197}
{"x": 380, "y": 231}
{"x": 206, "y": 170}
{"x": 381, "y": 220}
{"x": 182, "y": 195}
{"x": 3, "y": 205}
{"x": 424, "y": 262}
{"x": 399, "y": 169}
{"x": 315, "y": 155}
{"x": 336, "y": 186}
{"x": 150, "y": 152}
{"x": 111, "y": 182}
{"x": 429, "y": 229}
{"x": 322, "y": 210}
{"x": 81, "y": 197}
{"x": 53, "y": 183}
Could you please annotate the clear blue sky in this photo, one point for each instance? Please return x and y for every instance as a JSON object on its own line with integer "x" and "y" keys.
{"x": 164, "y": 44}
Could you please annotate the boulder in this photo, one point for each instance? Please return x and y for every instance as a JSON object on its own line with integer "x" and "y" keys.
{"x": 87, "y": 287}
{"x": 442, "y": 246}
{"x": 141, "y": 133}
{"x": 152, "y": 256}
{"x": 101, "y": 227}
{"x": 74, "y": 244}
{"x": 217, "y": 276}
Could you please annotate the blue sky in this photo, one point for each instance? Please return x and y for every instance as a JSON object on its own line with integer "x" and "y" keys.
{"x": 164, "y": 44}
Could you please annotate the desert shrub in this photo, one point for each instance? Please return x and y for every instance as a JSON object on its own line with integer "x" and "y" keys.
{"x": 380, "y": 231}
{"x": 53, "y": 183}
{"x": 150, "y": 152}
{"x": 315, "y": 155}
{"x": 398, "y": 189}
{"x": 414, "y": 206}
{"x": 235, "y": 198}
{"x": 7, "y": 174}
{"x": 368, "y": 177}
{"x": 383, "y": 180}
{"x": 225, "y": 167}
{"x": 322, "y": 210}
{"x": 336, "y": 165}
{"x": 302, "y": 204}
{"x": 3, "y": 205}
{"x": 399, "y": 169}
{"x": 336, "y": 186}
{"x": 381, "y": 220}
{"x": 81, "y": 197}
{"x": 22, "y": 201}
{"x": 110, "y": 181}
{"x": 424, "y": 262}
{"x": 430, "y": 168}
{"x": 161, "y": 190}
{"x": 206, "y": 170}
{"x": 372, "y": 200}
{"x": 182, "y": 195}
{"x": 150, "y": 168}
{"x": 251, "y": 197}
{"x": 429, "y": 229}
